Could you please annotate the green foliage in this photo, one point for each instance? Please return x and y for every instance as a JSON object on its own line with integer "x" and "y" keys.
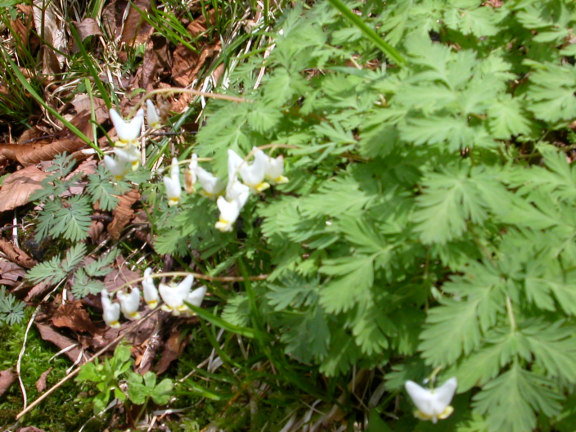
{"x": 65, "y": 215}
{"x": 109, "y": 376}
{"x": 84, "y": 280}
{"x": 11, "y": 310}
{"x": 429, "y": 218}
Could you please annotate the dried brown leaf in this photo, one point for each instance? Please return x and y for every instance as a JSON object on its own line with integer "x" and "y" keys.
{"x": 17, "y": 255}
{"x": 73, "y": 316}
{"x": 53, "y": 30}
{"x": 38, "y": 290}
{"x": 120, "y": 275}
{"x": 34, "y": 153}
{"x": 41, "y": 383}
{"x": 10, "y": 273}
{"x": 88, "y": 27}
{"x": 172, "y": 350}
{"x": 136, "y": 29}
{"x": 123, "y": 213}
{"x": 7, "y": 377}
{"x": 48, "y": 334}
{"x": 18, "y": 187}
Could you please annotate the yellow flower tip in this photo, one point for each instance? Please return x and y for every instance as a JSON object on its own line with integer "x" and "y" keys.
{"x": 261, "y": 187}
{"x": 135, "y": 165}
{"x": 155, "y": 125}
{"x": 118, "y": 177}
{"x": 443, "y": 415}
{"x": 152, "y": 304}
{"x": 134, "y": 315}
{"x": 166, "y": 308}
{"x": 280, "y": 180}
{"x": 182, "y": 308}
{"x": 172, "y": 201}
{"x": 115, "y": 324}
{"x": 223, "y": 225}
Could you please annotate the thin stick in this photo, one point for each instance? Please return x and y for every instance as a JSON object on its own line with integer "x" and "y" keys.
{"x": 75, "y": 371}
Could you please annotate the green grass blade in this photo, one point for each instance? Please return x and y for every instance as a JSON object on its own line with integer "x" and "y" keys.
{"x": 219, "y": 322}
{"x": 41, "y": 101}
{"x": 369, "y": 32}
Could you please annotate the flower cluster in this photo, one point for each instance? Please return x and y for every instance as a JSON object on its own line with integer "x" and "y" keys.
{"x": 432, "y": 404}
{"x": 126, "y": 147}
{"x": 174, "y": 296}
{"x": 232, "y": 196}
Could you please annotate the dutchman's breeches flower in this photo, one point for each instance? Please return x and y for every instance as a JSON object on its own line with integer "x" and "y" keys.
{"x": 129, "y": 155}
{"x": 432, "y": 404}
{"x": 236, "y": 191}
{"x": 116, "y": 167}
{"x": 174, "y": 296}
{"x": 152, "y": 117}
{"x": 229, "y": 212}
{"x": 252, "y": 174}
{"x": 190, "y": 176}
{"x": 275, "y": 170}
{"x": 129, "y": 303}
{"x": 212, "y": 186}
{"x": 110, "y": 311}
{"x": 150, "y": 292}
{"x": 127, "y": 132}
{"x": 195, "y": 297}
{"x": 172, "y": 183}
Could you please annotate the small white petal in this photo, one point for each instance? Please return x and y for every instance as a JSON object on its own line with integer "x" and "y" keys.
{"x": 229, "y": 211}
{"x": 129, "y": 303}
{"x": 172, "y": 183}
{"x": 150, "y": 292}
{"x": 253, "y": 174}
{"x": 236, "y": 191}
{"x": 234, "y": 164}
{"x": 195, "y": 297}
{"x": 117, "y": 168}
{"x": 211, "y": 185}
{"x": 174, "y": 296}
{"x": 432, "y": 403}
{"x": 110, "y": 311}
{"x": 153, "y": 117}
{"x": 127, "y": 131}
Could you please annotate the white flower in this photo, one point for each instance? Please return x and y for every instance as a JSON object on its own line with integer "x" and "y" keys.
{"x": 152, "y": 117}
{"x": 174, "y": 296}
{"x": 172, "y": 183}
{"x": 432, "y": 404}
{"x": 129, "y": 303}
{"x": 236, "y": 191}
{"x": 252, "y": 174}
{"x": 211, "y": 185}
{"x": 116, "y": 167}
{"x": 129, "y": 155}
{"x": 229, "y": 212}
{"x": 190, "y": 176}
{"x": 150, "y": 291}
{"x": 110, "y": 311}
{"x": 127, "y": 131}
{"x": 195, "y": 297}
{"x": 274, "y": 169}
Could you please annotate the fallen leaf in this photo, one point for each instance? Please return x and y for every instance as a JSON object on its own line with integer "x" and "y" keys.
{"x": 41, "y": 383}
{"x": 17, "y": 255}
{"x": 18, "y": 187}
{"x": 136, "y": 29}
{"x": 53, "y": 30}
{"x": 32, "y": 154}
{"x": 172, "y": 350}
{"x": 10, "y": 273}
{"x": 7, "y": 377}
{"x": 38, "y": 290}
{"x": 48, "y": 334}
{"x": 120, "y": 275}
{"x": 88, "y": 27}
{"x": 123, "y": 213}
{"x": 73, "y": 316}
